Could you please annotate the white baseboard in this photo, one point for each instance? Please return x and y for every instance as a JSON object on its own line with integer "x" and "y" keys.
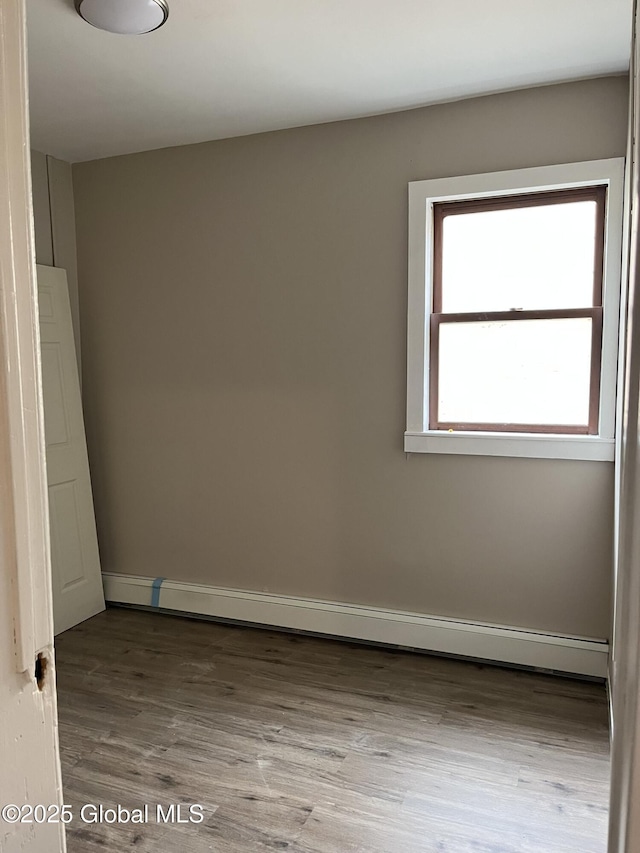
{"x": 574, "y": 655}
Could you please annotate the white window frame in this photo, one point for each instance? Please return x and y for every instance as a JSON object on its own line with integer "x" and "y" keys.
{"x": 418, "y": 438}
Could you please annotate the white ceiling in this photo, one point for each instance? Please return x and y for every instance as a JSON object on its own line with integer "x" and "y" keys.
{"x": 222, "y": 68}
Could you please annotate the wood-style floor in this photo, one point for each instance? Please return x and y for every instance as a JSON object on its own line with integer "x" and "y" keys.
{"x": 315, "y": 746}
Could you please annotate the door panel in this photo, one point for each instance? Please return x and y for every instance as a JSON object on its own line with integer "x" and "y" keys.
{"x": 66, "y": 550}
{"x": 55, "y": 418}
{"x": 77, "y": 581}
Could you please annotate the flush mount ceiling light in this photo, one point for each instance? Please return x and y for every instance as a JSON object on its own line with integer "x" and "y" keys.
{"x": 128, "y": 17}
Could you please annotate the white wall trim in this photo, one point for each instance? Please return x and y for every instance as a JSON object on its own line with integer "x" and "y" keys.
{"x": 577, "y": 655}
{"x": 533, "y": 446}
{"x": 422, "y": 197}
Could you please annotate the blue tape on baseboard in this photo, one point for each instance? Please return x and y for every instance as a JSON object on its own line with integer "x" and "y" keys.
{"x": 155, "y": 591}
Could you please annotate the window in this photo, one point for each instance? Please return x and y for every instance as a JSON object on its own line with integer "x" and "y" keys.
{"x": 514, "y": 282}
{"x": 516, "y": 322}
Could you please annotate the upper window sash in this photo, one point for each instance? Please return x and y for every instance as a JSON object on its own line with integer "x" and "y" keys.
{"x": 444, "y": 209}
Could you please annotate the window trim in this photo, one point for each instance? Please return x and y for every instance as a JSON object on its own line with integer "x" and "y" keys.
{"x": 423, "y": 195}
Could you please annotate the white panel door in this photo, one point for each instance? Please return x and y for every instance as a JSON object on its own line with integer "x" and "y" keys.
{"x": 75, "y": 563}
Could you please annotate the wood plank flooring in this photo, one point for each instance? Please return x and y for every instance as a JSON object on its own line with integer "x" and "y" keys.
{"x": 316, "y": 746}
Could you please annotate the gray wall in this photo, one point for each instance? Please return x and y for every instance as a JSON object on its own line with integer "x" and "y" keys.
{"x": 243, "y": 308}
{"x": 55, "y": 224}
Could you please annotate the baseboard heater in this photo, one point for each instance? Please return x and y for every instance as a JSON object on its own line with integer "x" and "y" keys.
{"x": 576, "y": 656}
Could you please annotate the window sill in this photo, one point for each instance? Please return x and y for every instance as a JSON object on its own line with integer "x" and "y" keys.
{"x": 528, "y": 445}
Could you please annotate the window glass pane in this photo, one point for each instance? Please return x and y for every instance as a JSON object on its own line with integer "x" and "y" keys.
{"x": 529, "y": 257}
{"x": 515, "y": 371}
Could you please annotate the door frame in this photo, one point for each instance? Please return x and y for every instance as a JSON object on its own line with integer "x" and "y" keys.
{"x": 28, "y": 711}
{"x": 624, "y": 814}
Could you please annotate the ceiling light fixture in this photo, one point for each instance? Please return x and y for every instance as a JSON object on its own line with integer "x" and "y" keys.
{"x": 127, "y": 17}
